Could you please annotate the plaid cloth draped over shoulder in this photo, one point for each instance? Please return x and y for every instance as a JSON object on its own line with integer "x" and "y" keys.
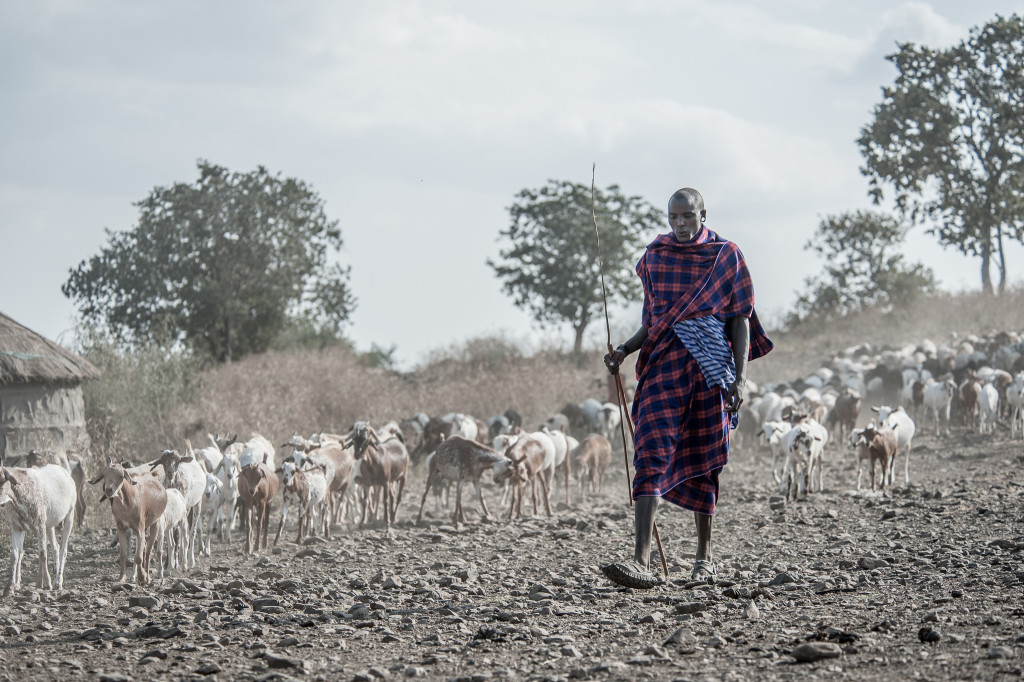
{"x": 682, "y": 428}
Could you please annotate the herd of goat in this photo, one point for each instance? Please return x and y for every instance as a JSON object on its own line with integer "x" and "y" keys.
{"x": 178, "y": 502}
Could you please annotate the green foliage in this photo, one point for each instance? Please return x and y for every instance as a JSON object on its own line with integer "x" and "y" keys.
{"x": 379, "y": 357}
{"x": 550, "y": 265}
{"x": 948, "y": 138}
{"x": 223, "y": 265}
{"x": 861, "y": 269}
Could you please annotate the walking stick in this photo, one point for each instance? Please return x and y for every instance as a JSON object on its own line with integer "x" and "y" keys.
{"x": 624, "y": 417}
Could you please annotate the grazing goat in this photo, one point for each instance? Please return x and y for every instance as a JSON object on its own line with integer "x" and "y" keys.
{"x": 137, "y": 506}
{"x": 173, "y": 531}
{"x": 185, "y": 473}
{"x": 38, "y": 499}
{"x": 988, "y": 408}
{"x": 1015, "y": 400}
{"x": 773, "y": 432}
{"x": 308, "y": 487}
{"x": 969, "y": 390}
{"x": 73, "y": 463}
{"x": 384, "y": 463}
{"x": 876, "y": 444}
{"x": 804, "y": 444}
{"x": 527, "y": 458}
{"x": 843, "y": 417}
{"x": 938, "y": 398}
{"x": 591, "y": 459}
{"x": 258, "y": 450}
{"x": 561, "y": 462}
{"x": 215, "y": 498}
{"x": 257, "y": 485}
{"x": 899, "y": 421}
{"x": 338, "y": 462}
{"x": 457, "y": 460}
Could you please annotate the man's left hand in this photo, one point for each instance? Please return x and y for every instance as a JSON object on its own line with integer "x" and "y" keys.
{"x": 734, "y": 397}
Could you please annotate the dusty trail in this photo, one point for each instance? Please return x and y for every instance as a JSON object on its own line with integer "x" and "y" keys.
{"x": 524, "y": 600}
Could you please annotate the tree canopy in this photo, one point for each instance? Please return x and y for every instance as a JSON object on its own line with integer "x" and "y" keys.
{"x": 549, "y": 263}
{"x": 861, "y": 268}
{"x": 222, "y": 265}
{"x": 948, "y": 139}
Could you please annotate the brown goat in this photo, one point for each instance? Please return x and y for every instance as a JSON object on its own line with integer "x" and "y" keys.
{"x": 137, "y": 504}
{"x": 591, "y": 461}
{"x": 383, "y": 463}
{"x": 844, "y": 414}
{"x": 257, "y": 485}
{"x": 877, "y": 445}
{"x": 526, "y": 459}
{"x": 969, "y": 391}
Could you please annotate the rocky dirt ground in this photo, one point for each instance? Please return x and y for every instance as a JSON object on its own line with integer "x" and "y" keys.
{"x": 939, "y": 561}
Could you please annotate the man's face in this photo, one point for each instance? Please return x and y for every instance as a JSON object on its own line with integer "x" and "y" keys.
{"x": 683, "y": 218}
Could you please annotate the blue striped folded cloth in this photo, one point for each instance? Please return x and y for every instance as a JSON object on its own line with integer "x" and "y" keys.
{"x": 705, "y": 338}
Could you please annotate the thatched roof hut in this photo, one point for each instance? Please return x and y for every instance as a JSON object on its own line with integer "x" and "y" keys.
{"x": 41, "y": 404}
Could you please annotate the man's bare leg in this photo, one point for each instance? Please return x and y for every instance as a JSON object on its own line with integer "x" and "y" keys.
{"x": 703, "y": 523}
{"x": 637, "y": 574}
{"x": 643, "y": 515}
{"x": 703, "y": 565}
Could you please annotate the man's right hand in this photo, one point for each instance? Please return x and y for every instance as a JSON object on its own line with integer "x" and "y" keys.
{"x": 614, "y": 359}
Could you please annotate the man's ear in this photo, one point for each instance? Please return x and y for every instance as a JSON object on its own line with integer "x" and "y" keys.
{"x": 703, "y": 215}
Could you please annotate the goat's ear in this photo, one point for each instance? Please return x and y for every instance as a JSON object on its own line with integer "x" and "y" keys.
{"x": 10, "y": 477}
{"x": 874, "y": 409}
{"x": 279, "y": 470}
{"x": 110, "y": 461}
{"x": 128, "y": 477}
{"x": 265, "y": 457}
{"x": 96, "y": 480}
{"x": 103, "y": 498}
{"x": 217, "y": 468}
{"x": 155, "y": 465}
{"x": 187, "y": 458}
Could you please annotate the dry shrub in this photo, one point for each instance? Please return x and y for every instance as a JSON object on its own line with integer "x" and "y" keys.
{"x": 279, "y": 393}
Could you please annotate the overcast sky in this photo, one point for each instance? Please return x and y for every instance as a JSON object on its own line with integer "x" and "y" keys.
{"x": 418, "y": 122}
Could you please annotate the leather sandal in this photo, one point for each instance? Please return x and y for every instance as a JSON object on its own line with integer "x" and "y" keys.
{"x": 632, "y": 574}
{"x": 704, "y": 571}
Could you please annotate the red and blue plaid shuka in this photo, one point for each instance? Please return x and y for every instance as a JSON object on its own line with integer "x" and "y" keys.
{"x": 682, "y": 427}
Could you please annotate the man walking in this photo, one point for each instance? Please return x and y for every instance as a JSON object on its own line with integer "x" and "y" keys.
{"x": 698, "y": 329}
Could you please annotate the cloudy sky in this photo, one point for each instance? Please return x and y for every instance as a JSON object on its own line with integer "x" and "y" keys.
{"x": 417, "y": 122}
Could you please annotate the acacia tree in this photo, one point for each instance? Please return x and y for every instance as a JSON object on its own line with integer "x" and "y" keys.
{"x": 549, "y": 264}
{"x": 222, "y": 265}
{"x": 861, "y": 269}
{"x": 947, "y": 138}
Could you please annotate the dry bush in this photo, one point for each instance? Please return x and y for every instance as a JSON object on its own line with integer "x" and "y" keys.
{"x": 278, "y": 393}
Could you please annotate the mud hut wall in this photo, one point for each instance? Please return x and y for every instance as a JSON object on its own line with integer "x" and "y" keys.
{"x": 41, "y": 417}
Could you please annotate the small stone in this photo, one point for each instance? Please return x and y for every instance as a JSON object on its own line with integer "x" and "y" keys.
{"x": 1000, "y": 652}
{"x": 681, "y": 637}
{"x": 275, "y": 661}
{"x": 890, "y": 514}
{"x": 715, "y": 642}
{"x": 288, "y": 641}
{"x": 654, "y": 617}
{"x": 208, "y": 668}
{"x": 413, "y": 671}
{"x": 927, "y": 634}
{"x": 931, "y": 617}
{"x": 143, "y": 601}
{"x": 782, "y": 579}
{"x": 114, "y": 677}
{"x": 571, "y": 652}
{"x": 751, "y": 612}
{"x": 869, "y": 563}
{"x": 392, "y": 583}
{"x": 12, "y": 631}
{"x": 656, "y": 651}
{"x": 816, "y": 651}
{"x": 691, "y": 607}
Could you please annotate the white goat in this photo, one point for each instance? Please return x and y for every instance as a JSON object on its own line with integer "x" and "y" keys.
{"x": 938, "y": 397}
{"x": 773, "y": 432}
{"x": 174, "y": 531}
{"x": 1015, "y": 401}
{"x": 38, "y": 500}
{"x": 988, "y": 408}
{"x": 214, "y": 499}
{"x": 187, "y": 475}
{"x": 898, "y": 420}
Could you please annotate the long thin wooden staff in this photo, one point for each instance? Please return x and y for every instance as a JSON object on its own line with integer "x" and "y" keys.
{"x": 624, "y": 418}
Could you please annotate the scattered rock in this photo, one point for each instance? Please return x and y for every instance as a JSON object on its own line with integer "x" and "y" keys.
{"x": 869, "y": 563}
{"x": 208, "y": 668}
{"x": 999, "y": 652}
{"x": 816, "y": 651}
{"x": 927, "y": 634}
{"x": 782, "y": 578}
{"x": 751, "y": 612}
